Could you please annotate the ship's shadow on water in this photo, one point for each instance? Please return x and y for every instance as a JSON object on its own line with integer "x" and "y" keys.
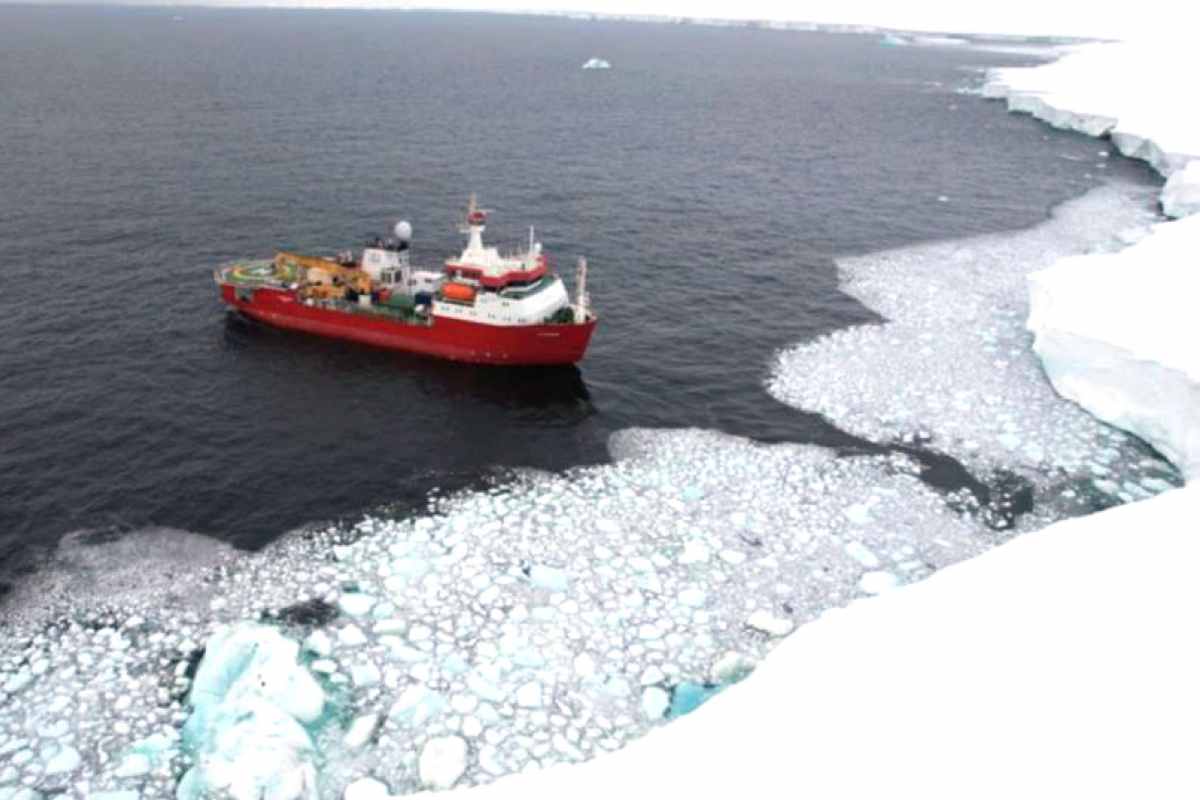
{"x": 554, "y": 395}
{"x": 558, "y": 397}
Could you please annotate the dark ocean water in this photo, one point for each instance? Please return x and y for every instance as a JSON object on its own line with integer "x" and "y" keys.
{"x": 710, "y": 178}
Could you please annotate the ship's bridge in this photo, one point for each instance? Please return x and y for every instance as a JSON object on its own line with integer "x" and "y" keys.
{"x": 489, "y": 268}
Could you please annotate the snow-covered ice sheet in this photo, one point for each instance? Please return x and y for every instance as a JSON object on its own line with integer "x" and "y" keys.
{"x": 1137, "y": 93}
{"x": 951, "y": 366}
{"x": 1058, "y": 665}
{"x": 1118, "y": 334}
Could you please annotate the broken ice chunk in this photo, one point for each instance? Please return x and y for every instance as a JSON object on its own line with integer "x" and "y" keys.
{"x": 556, "y": 580}
{"x": 355, "y": 604}
{"x": 365, "y": 674}
{"x": 769, "y": 624}
{"x": 443, "y": 761}
{"x": 731, "y": 667}
{"x": 318, "y": 642}
{"x": 694, "y": 552}
{"x": 530, "y": 695}
{"x": 65, "y": 759}
{"x": 361, "y": 731}
{"x": 416, "y": 705}
{"x": 248, "y": 699}
{"x": 351, "y": 636}
{"x": 859, "y": 513}
{"x": 655, "y": 702}
{"x": 878, "y": 582}
{"x": 859, "y": 552}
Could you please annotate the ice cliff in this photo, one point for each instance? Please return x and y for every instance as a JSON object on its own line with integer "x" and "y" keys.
{"x": 1131, "y": 92}
{"x": 1117, "y": 333}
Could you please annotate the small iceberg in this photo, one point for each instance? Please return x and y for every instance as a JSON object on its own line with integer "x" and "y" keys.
{"x": 596, "y": 63}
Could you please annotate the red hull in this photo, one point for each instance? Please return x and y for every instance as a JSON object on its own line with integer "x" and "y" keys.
{"x": 444, "y": 338}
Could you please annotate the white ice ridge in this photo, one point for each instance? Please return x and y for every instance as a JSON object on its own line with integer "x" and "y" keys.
{"x": 1137, "y": 93}
{"x": 951, "y": 366}
{"x": 1058, "y": 665}
{"x": 1118, "y": 334}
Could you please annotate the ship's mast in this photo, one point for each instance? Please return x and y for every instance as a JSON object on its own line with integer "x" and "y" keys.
{"x": 475, "y": 224}
{"x": 581, "y": 301}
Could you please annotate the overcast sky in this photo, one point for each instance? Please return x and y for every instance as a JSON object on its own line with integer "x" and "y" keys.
{"x": 1050, "y": 17}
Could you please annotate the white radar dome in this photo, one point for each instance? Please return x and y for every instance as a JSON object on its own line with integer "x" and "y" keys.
{"x": 403, "y": 230}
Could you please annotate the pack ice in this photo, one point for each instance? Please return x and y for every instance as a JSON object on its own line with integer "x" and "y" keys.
{"x": 1053, "y": 666}
{"x": 951, "y": 366}
{"x": 547, "y": 620}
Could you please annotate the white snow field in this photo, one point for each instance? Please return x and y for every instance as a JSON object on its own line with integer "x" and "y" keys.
{"x": 1136, "y": 93}
{"x": 555, "y": 618}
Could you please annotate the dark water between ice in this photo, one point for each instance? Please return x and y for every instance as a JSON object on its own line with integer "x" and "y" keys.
{"x": 710, "y": 177}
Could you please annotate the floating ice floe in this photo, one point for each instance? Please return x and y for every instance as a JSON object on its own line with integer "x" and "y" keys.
{"x": 443, "y": 761}
{"x": 250, "y": 704}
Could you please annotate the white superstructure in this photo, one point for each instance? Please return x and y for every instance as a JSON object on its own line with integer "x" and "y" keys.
{"x": 480, "y": 285}
{"x": 531, "y": 305}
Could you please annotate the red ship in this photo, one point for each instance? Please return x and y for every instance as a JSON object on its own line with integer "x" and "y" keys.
{"x": 482, "y": 307}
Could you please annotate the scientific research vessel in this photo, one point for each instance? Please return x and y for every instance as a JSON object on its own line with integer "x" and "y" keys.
{"x": 480, "y": 307}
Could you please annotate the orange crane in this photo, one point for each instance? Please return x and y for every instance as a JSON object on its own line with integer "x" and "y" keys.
{"x": 331, "y": 278}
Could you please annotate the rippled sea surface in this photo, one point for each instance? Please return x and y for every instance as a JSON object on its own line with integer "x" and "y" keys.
{"x": 710, "y": 178}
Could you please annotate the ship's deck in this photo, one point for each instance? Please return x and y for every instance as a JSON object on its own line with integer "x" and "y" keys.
{"x": 262, "y": 272}
{"x": 400, "y": 313}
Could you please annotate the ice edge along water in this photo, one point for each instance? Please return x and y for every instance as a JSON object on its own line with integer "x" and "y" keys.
{"x": 553, "y": 621}
{"x": 1066, "y": 687}
{"x": 1116, "y": 333}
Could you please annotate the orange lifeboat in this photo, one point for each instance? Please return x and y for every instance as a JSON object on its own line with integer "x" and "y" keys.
{"x": 458, "y": 292}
